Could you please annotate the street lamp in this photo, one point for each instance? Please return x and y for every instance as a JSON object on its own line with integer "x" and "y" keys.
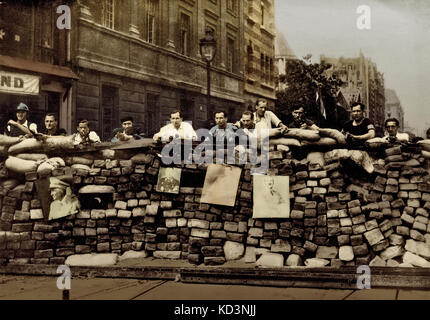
{"x": 208, "y": 52}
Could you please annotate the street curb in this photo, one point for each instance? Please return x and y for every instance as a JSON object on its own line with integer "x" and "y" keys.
{"x": 324, "y": 278}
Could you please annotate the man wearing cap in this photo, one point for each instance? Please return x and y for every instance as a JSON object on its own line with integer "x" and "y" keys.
{"x": 22, "y": 126}
{"x": 127, "y": 132}
{"x": 64, "y": 202}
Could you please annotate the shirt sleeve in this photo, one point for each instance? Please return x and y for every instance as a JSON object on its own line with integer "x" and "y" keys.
{"x": 274, "y": 119}
{"x": 94, "y": 137}
{"x": 33, "y": 127}
{"x": 370, "y": 125}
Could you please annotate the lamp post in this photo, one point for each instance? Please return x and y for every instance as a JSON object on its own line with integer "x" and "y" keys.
{"x": 208, "y": 51}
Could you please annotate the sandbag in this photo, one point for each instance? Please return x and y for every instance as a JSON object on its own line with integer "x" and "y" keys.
{"x": 285, "y": 142}
{"x": 27, "y": 146}
{"x": 7, "y": 141}
{"x": 336, "y": 154}
{"x": 9, "y": 184}
{"x": 59, "y": 143}
{"x": 315, "y": 158}
{"x": 325, "y": 141}
{"x": 3, "y": 151}
{"x": 32, "y": 156}
{"x": 302, "y": 134}
{"x": 81, "y": 166}
{"x": 50, "y": 164}
{"x": 425, "y": 154}
{"x": 108, "y": 154}
{"x": 19, "y": 165}
{"x": 376, "y": 143}
{"x": 332, "y": 133}
{"x": 81, "y": 160}
{"x": 425, "y": 144}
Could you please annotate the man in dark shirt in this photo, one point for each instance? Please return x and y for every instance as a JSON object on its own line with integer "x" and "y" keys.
{"x": 299, "y": 121}
{"x": 127, "y": 132}
{"x": 359, "y": 129}
{"x": 21, "y": 127}
{"x": 51, "y": 126}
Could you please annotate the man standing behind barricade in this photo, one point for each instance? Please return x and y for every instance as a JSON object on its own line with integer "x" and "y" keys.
{"x": 176, "y": 129}
{"x": 22, "y": 126}
{"x": 127, "y": 132}
{"x": 223, "y": 131}
{"x": 265, "y": 119}
{"x": 392, "y": 128}
{"x": 84, "y": 135}
{"x": 299, "y": 121}
{"x": 359, "y": 129}
{"x": 51, "y": 126}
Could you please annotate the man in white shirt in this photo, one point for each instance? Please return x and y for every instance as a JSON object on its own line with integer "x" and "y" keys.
{"x": 84, "y": 135}
{"x": 22, "y": 126}
{"x": 176, "y": 129}
{"x": 392, "y": 127}
{"x": 265, "y": 119}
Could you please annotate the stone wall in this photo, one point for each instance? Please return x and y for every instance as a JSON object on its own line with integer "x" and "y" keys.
{"x": 340, "y": 214}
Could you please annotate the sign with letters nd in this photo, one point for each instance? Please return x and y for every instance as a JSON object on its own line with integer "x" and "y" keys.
{"x": 18, "y": 83}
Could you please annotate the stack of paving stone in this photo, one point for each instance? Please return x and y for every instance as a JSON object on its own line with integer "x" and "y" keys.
{"x": 336, "y": 217}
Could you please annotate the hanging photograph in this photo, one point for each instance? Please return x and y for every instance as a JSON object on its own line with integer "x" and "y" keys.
{"x": 271, "y": 196}
{"x": 221, "y": 185}
{"x": 169, "y": 180}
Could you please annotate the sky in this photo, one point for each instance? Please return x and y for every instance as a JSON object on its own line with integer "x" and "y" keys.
{"x": 398, "y": 42}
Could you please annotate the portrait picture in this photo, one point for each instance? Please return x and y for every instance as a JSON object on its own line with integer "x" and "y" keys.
{"x": 64, "y": 203}
{"x": 271, "y": 196}
{"x": 221, "y": 183}
{"x": 169, "y": 180}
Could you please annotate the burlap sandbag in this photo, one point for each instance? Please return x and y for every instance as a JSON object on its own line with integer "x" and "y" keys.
{"x": 19, "y": 165}
{"x": 107, "y": 154}
{"x": 59, "y": 143}
{"x": 81, "y": 160}
{"x": 425, "y": 144}
{"x": 302, "y": 134}
{"x": 336, "y": 154}
{"x": 326, "y": 141}
{"x": 32, "y": 156}
{"x": 425, "y": 154}
{"x": 27, "y": 146}
{"x": 332, "y": 133}
{"x": 376, "y": 143}
{"x": 7, "y": 141}
{"x": 50, "y": 164}
{"x": 285, "y": 142}
{"x": 3, "y": 151}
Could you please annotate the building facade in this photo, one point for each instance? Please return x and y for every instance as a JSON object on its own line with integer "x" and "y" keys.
{"x": 283, "y": 53}
{"x": 35, "y": 62}
{"x": 259, "y": 50}
{"x": 142, "y": 58}
{"x": 393, "y": 108}
{"x": 363, "y": 83}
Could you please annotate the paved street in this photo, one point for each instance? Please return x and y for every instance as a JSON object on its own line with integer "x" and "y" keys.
{"x": 44, "y": 288}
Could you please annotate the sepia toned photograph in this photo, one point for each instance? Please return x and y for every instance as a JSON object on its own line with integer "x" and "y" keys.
{"x": 271, "y": 197}
{"x": 106, "y": 105}
{"x": 221, "y": 183}
{"x": 169, "y": 180}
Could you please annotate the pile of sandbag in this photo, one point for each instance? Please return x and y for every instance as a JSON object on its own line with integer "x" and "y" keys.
{"x": 359, "y": 157}
{"x": 425, "y": 144}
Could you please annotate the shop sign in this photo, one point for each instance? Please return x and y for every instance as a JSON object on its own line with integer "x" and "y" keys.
{"x": 18, "y": 83}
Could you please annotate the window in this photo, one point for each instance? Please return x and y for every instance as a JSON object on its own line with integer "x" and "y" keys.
{"x": 262, "y": 69}
{"x": 108, "y": 112}
{"x": 153, "y": 114}
{"x": 262, "y": 14}
{"x": 46, "y": 27}
{"x": 230, "y": 55}
{"x": 267, "y": 70}
{"x": 249, "y": 65}
{"x": 152, "y": 21}
{"x": 185, "y": 34}
{"x": 108, "y": 13}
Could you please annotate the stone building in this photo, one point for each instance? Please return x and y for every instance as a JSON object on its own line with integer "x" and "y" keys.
{"x": 259, "y": 44}
{"x": 141, "y": 58}
{"x": 393, "y": 108}
{"x": 363, "y": 83}
{"x": 283, "y": 53}
{"x": 34, "y": 62}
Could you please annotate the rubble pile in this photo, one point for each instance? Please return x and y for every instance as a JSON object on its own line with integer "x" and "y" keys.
{"x": 346, "y": 209}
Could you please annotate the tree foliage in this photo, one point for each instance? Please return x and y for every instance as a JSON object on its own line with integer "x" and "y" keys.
{"x": 300, "y": 85}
